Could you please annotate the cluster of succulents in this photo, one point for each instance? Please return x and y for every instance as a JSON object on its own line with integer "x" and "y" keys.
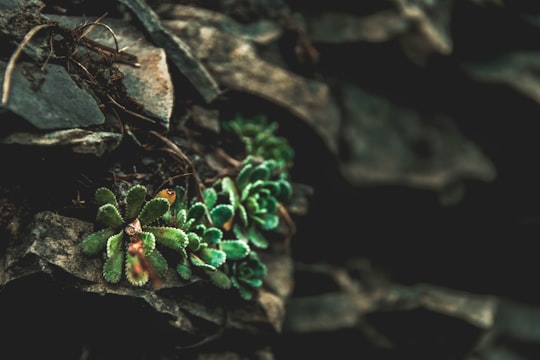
{"x": 206, "y": 250}
{"x": 213, "y": 237}
{"x": 260, "y": 139}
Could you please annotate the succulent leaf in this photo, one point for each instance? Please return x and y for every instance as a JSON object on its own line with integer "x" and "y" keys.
{"x": 219, "y": 279}
{"x": 198, "y": 229}
{"x": 112, "y": 269}
{"x": 181, "y": 218}
{"x": 196, "y": 211}
{"x": 228, "y": 186}
{"x": 261, "y": 172}
{"x": 199, "y": 263}
{"x": 134, "y": 200}
{"x": 189, "y": 224}
{"x": 184, "y": 269}
{"x": 109, "y": 216}
{"x": 251, "y": 204}
{"x": 267, "y": 221}
{"x": 243, "y": 215}
{"x": 210, "y": 197}
{"x": 114, "y": 245}
{"x": 212, "y": 236}
{"x": 245, "y": 292}
{"x": 251, "y": 282}
{"x": 273, "y": 187}
{"x": 105, "y": 196}
{"x": 241, "y": 233}
{"x": 170, "y": 237}
{"x": 180, "y": 194}
{"x": 135, "y": 272}
{"x": 158, "y": 262}
{"x": 246, "y": 192}
{"x": 95, "y": 242}
{"x": 272, "y": 166}
{"x": 256, "y": 187}
{"x": 213, "y": 257}
{"x": 194, "y": 241}
{"x": 257, "y": 238}
{"x": 234, "y": 249}
{"x": 167, "y": 218}
{"x": 221, "y": 214}
{"x": 243, "y": 177}
{"x": 149, "y": 242}
{"x": 285, "y": 190}
{"x": 271, "y": 205}
{"x": 153, "y": 210}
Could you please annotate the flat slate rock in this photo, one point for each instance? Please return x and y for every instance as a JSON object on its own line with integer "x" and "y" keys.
{"x": 49, "y": 100}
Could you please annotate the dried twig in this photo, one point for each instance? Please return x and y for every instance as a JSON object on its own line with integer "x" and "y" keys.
{"x": 173, "y": 149}
{"x": 126, "y": 110}
{"x": 11, "y": 63}
{"x": 51, "y": 50}
{"x": 170, "y": 179}
{"x": 91, "y": 25}
{"x": 115, "y": 55}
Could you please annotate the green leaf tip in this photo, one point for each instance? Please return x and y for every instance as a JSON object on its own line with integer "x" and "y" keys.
{"x": 213, "y": 257}
{"x": 219, "y": 279}
{"x": 96, "y": 242}
{"x": 112, "y": 269}
{"x": 170, "y": 237}
{"x": 158, "y": 262}
{"x": 221, "y": 214}
{"x": 235, "y": 249}
{"x": 114, "y": 245}
{"x": 136, "y": 274}
{"x": 196, "y": 211}
{"x": 134, "y": 200}
{"x": 109, "y": 216}
{"x": 153, "y": 210}
{"x": 105, "y": 196}
{"x": 212, "y": 236}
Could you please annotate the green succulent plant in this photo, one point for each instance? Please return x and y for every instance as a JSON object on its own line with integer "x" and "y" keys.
{"x": 206, "y": 250}
{"x": 129, "y": 240}
{"x": 246, "y": 275}
{"x": 260, "y": 139}
{"x": 245, "y": 207}
{"x": 255, "y": 195}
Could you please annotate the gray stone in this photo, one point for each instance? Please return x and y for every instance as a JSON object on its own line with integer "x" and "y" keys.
{"x": 53, "y": 242}
{"x": 234, "y": 63}
{"x": 150, "y": 84}
{"x": 394, "y": 145}
{"x": 49, "y": 100}
{"x": 81, "y": 141}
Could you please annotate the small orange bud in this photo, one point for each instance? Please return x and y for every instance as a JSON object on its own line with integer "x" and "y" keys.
{"x": 229, "y": 224}
{"x": 168, "y": 194}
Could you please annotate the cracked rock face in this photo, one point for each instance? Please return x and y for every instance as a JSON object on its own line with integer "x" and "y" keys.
{"x": 51, "y": 250}
{"x": 420, "y": 115}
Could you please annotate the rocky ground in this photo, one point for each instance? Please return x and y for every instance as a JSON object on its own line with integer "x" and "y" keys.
{"x": 412, "y": 229}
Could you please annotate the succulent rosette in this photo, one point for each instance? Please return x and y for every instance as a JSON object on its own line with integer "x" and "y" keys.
{"x": 247, "y": 275}
{"x": 129, "y": 240}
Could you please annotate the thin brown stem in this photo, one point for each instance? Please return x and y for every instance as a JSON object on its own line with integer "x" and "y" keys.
{"x": 142, "y": 117}
{"x": 170, "y": 179}
{"x": 11, "y": 63}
